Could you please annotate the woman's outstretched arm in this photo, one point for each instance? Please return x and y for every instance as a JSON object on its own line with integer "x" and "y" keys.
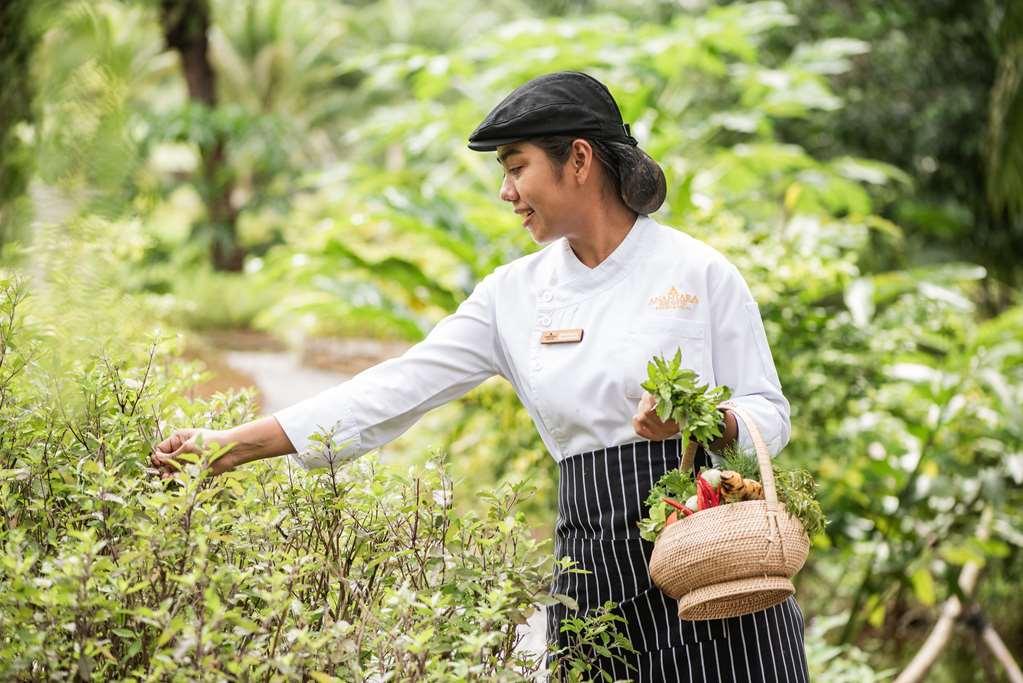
{"x": 372, "y": 408}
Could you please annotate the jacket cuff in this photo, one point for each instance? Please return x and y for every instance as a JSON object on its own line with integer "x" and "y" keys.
{"x": 743, "y": 440}
{"x": 321, "y": 436}
{"x": 768, "y": 423}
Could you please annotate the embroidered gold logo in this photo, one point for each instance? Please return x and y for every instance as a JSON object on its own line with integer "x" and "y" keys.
{"x": 674, "y": 299}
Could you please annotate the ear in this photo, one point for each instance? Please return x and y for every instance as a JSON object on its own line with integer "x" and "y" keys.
{"x": 580, "y": 160}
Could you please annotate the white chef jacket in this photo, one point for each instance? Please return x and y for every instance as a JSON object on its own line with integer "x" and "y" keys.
{"x": 659, "y": 290}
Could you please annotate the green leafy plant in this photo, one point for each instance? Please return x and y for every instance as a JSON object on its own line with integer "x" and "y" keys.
{"x": 796, "y": 488}
{"x": 357, "y": 572}
{"x": 674, "y": 484}
{"x": 680, "y": 398}
{"x": 694, "y": 407}
{"x": 593, "y": 634}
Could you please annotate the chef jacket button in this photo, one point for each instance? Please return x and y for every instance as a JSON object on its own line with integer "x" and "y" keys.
{"x": 537, "y": 365}
{"x": 546, "y": 295}
{"x": 545, "y": 320}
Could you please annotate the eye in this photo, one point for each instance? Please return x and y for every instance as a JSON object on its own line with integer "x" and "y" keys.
{"x": 515, "y": 170}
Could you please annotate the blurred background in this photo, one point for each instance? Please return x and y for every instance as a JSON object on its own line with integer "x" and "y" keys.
{"x": 281, "y": 194}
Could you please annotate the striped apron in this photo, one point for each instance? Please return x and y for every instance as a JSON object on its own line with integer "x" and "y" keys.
{"x": 601, "y": 496}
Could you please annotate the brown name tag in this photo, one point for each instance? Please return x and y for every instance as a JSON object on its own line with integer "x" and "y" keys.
{"x": 561, "y": 336}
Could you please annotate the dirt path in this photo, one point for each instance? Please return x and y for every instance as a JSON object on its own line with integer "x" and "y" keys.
{"x": 281, "y": 377}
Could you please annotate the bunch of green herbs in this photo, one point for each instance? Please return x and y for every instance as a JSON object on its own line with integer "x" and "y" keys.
{"x": 680, "y": 398}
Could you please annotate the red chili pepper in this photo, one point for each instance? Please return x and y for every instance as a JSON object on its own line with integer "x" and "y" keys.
{"x": 706, "y": 496}
{"x": 714, "y": 495}
{"x": 675, "y": 504}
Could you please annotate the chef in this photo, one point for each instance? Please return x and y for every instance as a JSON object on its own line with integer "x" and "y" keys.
{"x": 572, "y": 327}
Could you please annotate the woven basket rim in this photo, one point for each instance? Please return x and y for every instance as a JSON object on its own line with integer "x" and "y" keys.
{"x": 732, "y": 513}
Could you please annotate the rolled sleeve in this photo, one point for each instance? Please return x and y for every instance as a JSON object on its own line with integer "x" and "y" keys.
{"x": 381, "y": 403}
{"x": 742, "y": 361}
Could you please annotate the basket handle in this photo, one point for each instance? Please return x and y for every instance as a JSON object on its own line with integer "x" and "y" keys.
{"x": 763, "y": 455}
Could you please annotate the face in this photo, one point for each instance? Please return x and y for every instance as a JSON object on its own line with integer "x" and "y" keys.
{"x": 538, "y": 195}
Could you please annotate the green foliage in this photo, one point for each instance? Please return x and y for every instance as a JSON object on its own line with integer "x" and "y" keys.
{"x": 19, "y": 34}
{"x": 946, "y": 76}
{"x": 594, "y": 634}
{"x": 838, "y": 663}
{"x": 110, "y": 572}
{"x": 797, "y": 491}
{"x": 796, "y": 488}
{"x": 738, "y": 459}
{"x": 1005, "y": 120}
{"x": 674, "y": 484}
{"x": 344, "y": 130}
{"x": 680, "y": 399}
{"x": 490, "y": 437}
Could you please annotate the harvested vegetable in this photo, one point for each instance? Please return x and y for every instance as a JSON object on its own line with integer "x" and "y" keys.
{"x": 706, "y": 496}
{"x": 675, "y": 484}
{"x": 737, "y": 482}
{"x": 737, "y": 488}
{"x": 675, "y": 504}
{"x": 713, "y": 477}
{"x": 797, "y": 490}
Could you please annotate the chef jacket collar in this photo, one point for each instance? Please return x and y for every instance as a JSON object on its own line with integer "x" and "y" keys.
{"x": 573, "y": 280}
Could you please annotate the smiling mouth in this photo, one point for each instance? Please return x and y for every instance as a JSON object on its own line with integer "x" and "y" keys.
{"x": 526, "y": 216}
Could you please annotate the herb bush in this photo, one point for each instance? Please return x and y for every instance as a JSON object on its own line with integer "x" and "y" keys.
{"x": 268, "y": 572}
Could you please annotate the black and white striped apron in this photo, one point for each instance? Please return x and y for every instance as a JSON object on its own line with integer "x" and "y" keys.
{"x": 601, "y": 496}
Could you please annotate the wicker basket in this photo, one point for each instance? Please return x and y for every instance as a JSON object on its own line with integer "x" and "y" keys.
{"x": 732, "y": 559}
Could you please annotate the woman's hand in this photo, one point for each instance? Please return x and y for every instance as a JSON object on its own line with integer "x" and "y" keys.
{"x": 648, "y": 425}
{"x": 165, "y": 454}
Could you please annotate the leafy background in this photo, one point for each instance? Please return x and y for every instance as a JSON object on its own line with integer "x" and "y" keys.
{"x": 177, "y": 167}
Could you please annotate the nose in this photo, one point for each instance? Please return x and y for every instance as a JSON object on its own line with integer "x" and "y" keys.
{"x": 508, "y": 192}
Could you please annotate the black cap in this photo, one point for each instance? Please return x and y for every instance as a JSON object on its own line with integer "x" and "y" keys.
{"x": 562, "y": 103}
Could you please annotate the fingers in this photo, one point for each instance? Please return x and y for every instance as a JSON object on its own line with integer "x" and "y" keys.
{"x": 654, "y": 430}
{"x": 165, "y": 453}
{"x": 648, "y": 425}
{"x": 175, "y": 441}
{"x": 163, "y": 466}
{"x": 641, "y": 429}
{"x": 647, "y": 405}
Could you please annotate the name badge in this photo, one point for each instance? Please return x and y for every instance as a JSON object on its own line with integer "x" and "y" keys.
{"x": 562, "y": 336}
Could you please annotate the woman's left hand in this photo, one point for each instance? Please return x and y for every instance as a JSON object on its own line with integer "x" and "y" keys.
{"x": 648, "y": 425}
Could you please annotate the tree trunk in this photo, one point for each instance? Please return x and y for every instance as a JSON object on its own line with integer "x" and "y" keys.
{"x": 17, "y": 40}
{"x": 952, "y": 611}
{"x": 185, "y": 26}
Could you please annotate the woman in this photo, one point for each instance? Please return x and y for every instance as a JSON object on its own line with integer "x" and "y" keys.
{"x": 572, "y": 328}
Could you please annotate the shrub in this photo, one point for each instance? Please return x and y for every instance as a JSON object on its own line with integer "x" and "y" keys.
{"x": 269, "y": 572}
